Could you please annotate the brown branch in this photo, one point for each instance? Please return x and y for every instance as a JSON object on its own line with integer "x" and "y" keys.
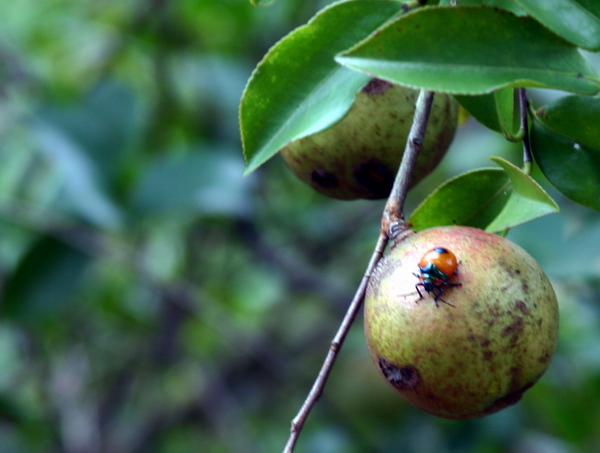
{"x": 319, "y": 384}
{"x": 392, "y": 226}
{"x": 393, "y": 222}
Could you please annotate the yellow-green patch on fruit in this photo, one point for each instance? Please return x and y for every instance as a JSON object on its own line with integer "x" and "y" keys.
{"x": 358, "y": 157}
{"x": 477, "y": 355}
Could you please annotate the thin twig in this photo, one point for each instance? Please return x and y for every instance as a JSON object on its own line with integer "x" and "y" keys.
{"x": 340, "y": 336}
{"x": 393, "y": 226}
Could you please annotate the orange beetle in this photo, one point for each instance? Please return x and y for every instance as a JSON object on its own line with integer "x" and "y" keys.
{"x": 435, "y": 267}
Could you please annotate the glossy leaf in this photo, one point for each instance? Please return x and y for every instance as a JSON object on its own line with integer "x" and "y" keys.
{"x": 298, "y": 89}
{"x": 44, "y": 281}
{"x": 578, "y": 21}
{"x": 496, "y": 110}
{"x": 508, "y": 5}
{"x": 492, "y": 199}
{"x": 565, "y": 141}
{"x": 576, "y": 117}
{"x": 527, "y": 200}
{"x": 472, "y": 199}
{"x": 471, "y": 50}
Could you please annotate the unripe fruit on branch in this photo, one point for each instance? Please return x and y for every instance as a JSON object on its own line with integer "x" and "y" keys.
{"x": 359, "y": 156}
{"x": 477, "y": 355}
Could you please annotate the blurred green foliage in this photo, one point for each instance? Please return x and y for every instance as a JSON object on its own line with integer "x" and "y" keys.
{"x": 153, "y": 300}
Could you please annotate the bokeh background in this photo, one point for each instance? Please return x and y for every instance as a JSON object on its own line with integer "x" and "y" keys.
{"x": 153, "y": 300}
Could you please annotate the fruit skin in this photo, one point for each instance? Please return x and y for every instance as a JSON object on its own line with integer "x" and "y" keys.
{"x": 473, "y": 358}
{"x": 358, "y": 157}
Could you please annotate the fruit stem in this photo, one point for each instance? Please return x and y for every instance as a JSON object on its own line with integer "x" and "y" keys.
{"x": 392, "y": 222}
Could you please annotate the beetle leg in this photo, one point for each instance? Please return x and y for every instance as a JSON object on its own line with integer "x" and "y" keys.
{"x": 417, "y": 288}
{"x": 438, "y": 296}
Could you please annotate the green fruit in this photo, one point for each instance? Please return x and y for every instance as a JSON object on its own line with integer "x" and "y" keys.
{"x": 358, "y": 157}
{"x": 481, "y": 353}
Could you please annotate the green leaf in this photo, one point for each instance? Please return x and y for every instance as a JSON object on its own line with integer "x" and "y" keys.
{"x": 43, "y": 283}
{"x": 262, "y": 2}
{"x": 526, "y": 201}
{"x": 298, "y": 89}
{"x": 578, "y": 21}
{"x": 508, "y": 5}
{"x": 471, "y": 50}
{"x": 492, "y": 199}
{"x": 565, "y": 141}
{"x": 496, "y": 110}
{"x": 472, "y": 199}
{"x": 576, "y": 117}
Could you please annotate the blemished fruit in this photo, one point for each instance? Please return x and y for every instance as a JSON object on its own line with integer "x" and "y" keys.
{"x": 358, "y": 156}
{"x": 482, "y": 350}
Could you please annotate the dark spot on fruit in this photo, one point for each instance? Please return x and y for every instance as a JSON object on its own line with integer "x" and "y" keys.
{"x": 375, "y": 177}
{"x": 507, "y": 400}
{"x": 487, "y": 354}
{"x": 514, "y": 329}
{"x": 485, "y": 343}
{"x": 518, "y": 271}
{"x": 402, "y": 378}
{"x": 494, "y": 311}
{"x": 376, "y": 86}
{"x": 323, "y": 179}
{"x": 522, "y": 306}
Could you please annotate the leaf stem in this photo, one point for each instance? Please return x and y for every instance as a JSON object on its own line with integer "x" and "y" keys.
{"x": 524, "y": 127}
{"x": 392, "y": 227}
{"x": 406, "y": 7}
